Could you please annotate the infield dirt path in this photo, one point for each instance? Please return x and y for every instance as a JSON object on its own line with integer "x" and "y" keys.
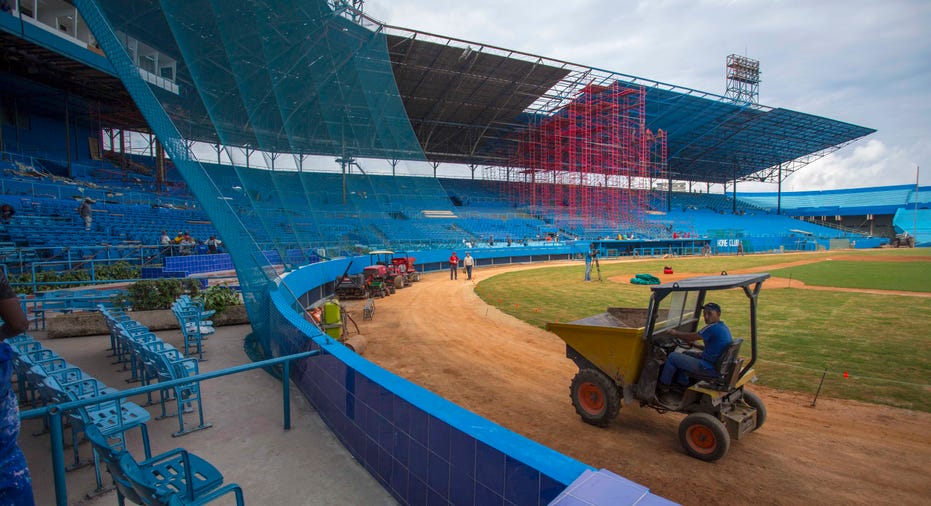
{"x": 440, "y": 335}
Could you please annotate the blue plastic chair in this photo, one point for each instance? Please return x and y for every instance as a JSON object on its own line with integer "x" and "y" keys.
{"x": 192, "y": 480}
{"x": 171, "y": 365}
{"x": 193, "y": 327}
{"x": 112, "y": 418}
{"x": 176, "y": 477}
{"x": 161, "y": 479}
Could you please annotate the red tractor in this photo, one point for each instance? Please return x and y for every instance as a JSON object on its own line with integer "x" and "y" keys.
{"x": 405, "y": 266}
{"x": 397, "y": 275}
{"x": 376, "y": 281}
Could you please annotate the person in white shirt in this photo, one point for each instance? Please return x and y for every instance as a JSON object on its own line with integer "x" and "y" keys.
{"x": 213, "y": 245}
{"x": 468, "y": 262}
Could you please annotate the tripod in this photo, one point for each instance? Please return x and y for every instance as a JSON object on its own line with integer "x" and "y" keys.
{"x": 597, "y": 267}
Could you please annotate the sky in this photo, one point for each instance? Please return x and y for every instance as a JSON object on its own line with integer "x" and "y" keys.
{"x": 857, "y": 61}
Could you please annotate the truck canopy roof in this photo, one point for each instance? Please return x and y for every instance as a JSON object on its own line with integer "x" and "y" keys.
{"x": 722, "y": 282}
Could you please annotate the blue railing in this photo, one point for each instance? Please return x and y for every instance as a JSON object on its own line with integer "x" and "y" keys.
{"x": 54, "y": 411}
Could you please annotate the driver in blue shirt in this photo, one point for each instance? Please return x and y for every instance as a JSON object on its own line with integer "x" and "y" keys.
{"x": 717, "y": 338}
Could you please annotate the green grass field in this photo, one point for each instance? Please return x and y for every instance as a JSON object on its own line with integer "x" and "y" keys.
{"x": 883, "y": 341}
{"x": 908, "y": 276}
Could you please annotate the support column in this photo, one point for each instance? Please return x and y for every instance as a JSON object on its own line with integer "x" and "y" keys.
{"x": 779, "y": 193}
{"x": 68, "y": 131}
{"x": 122, "y": 149}
{"x": 734, "y": 190}
{"x": 159, "y": 166}
{"x": 300, "y": 162}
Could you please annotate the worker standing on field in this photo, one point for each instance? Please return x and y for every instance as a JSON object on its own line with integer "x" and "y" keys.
{"x": 589, "y": 258}
{"x": 453, "y": 266}
{"x": 468, "y": 262}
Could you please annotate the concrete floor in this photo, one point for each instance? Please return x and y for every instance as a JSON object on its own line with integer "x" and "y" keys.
{"x": 305, "y": 465}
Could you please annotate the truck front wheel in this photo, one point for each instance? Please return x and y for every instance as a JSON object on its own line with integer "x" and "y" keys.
{"x": 595, "y": 397}
{"x": 704, "y": 437}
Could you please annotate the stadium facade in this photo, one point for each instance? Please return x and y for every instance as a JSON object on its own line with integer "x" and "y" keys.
{"x": 566, "y": 151}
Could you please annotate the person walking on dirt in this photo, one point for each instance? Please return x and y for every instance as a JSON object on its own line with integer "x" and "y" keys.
{"x": 740, "y": 248}
{"x": 453, "y": 266}
{"x": 468, "y": 262}
{"x": 717, "y": 338}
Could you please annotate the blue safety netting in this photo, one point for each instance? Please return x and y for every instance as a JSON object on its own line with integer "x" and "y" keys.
{"x": 294, "y": 78}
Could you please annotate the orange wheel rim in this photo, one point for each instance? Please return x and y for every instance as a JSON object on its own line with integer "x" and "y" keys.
{"x": 701, "y": 439}
{"x": 591, "y": 398}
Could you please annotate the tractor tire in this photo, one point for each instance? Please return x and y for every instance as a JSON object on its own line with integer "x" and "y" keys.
{"x": 756, "y": 403}
{"x": 704, "y": 437}
{"x": 416, "y": 277}
{"x": 390, "y": 287}
{"x": 595, "y": 397}
{"x": 398, "y": 282}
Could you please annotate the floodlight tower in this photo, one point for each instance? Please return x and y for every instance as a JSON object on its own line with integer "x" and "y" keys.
{"x": 743, "y": 79}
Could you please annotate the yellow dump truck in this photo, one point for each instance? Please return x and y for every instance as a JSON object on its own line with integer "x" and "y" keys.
{"x": 620, "y": 354}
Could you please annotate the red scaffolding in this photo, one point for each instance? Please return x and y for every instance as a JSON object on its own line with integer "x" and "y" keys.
{"x": 588, "y": 166}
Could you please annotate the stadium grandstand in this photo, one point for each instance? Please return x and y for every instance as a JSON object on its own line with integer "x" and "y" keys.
{"x": 225, "y": 118}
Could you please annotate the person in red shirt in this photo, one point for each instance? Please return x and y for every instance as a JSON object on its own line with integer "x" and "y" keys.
{"x": 453, "y": 266}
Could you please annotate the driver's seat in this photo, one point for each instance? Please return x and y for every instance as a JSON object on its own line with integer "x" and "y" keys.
{"x": 727, "y": 367}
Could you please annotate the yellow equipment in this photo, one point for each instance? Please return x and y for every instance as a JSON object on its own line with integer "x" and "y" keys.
{"x": 332, "y": 319}
{"x": 621, "y": 353}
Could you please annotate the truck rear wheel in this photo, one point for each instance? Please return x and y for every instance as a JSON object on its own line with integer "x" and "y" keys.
{"x": 595, "y": 397}
{"x": 756, "y": 403}
{"x": 704, "y": 437}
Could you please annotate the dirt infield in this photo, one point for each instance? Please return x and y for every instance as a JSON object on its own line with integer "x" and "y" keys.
{"x": 440, "y": 335}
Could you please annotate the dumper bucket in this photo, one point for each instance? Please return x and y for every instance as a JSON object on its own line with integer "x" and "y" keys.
{"x": 608, "y": 342}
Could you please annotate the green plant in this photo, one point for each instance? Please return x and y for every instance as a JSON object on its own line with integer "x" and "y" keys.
{"x": 158, "y": 293}
{"x": 74, "y": 277}
{"x": 118, "y": 270}
{"x": 47, "y": 280}
{"x": 220, "y": 297}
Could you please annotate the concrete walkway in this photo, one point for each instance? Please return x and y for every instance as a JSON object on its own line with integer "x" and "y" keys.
{"x": 305, "y": 465}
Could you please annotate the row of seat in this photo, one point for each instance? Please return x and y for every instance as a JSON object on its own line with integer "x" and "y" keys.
{"x": 194, "y": 323}
{"x": 149, "y": 360}
{"x": 176, "y": 477}
{"x": 44, "y": 377}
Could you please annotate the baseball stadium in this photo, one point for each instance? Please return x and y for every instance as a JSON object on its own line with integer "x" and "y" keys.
{"x": 285, "y": 253}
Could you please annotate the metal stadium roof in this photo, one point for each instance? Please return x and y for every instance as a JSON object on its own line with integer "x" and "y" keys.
{"x": 463, "y": 99}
